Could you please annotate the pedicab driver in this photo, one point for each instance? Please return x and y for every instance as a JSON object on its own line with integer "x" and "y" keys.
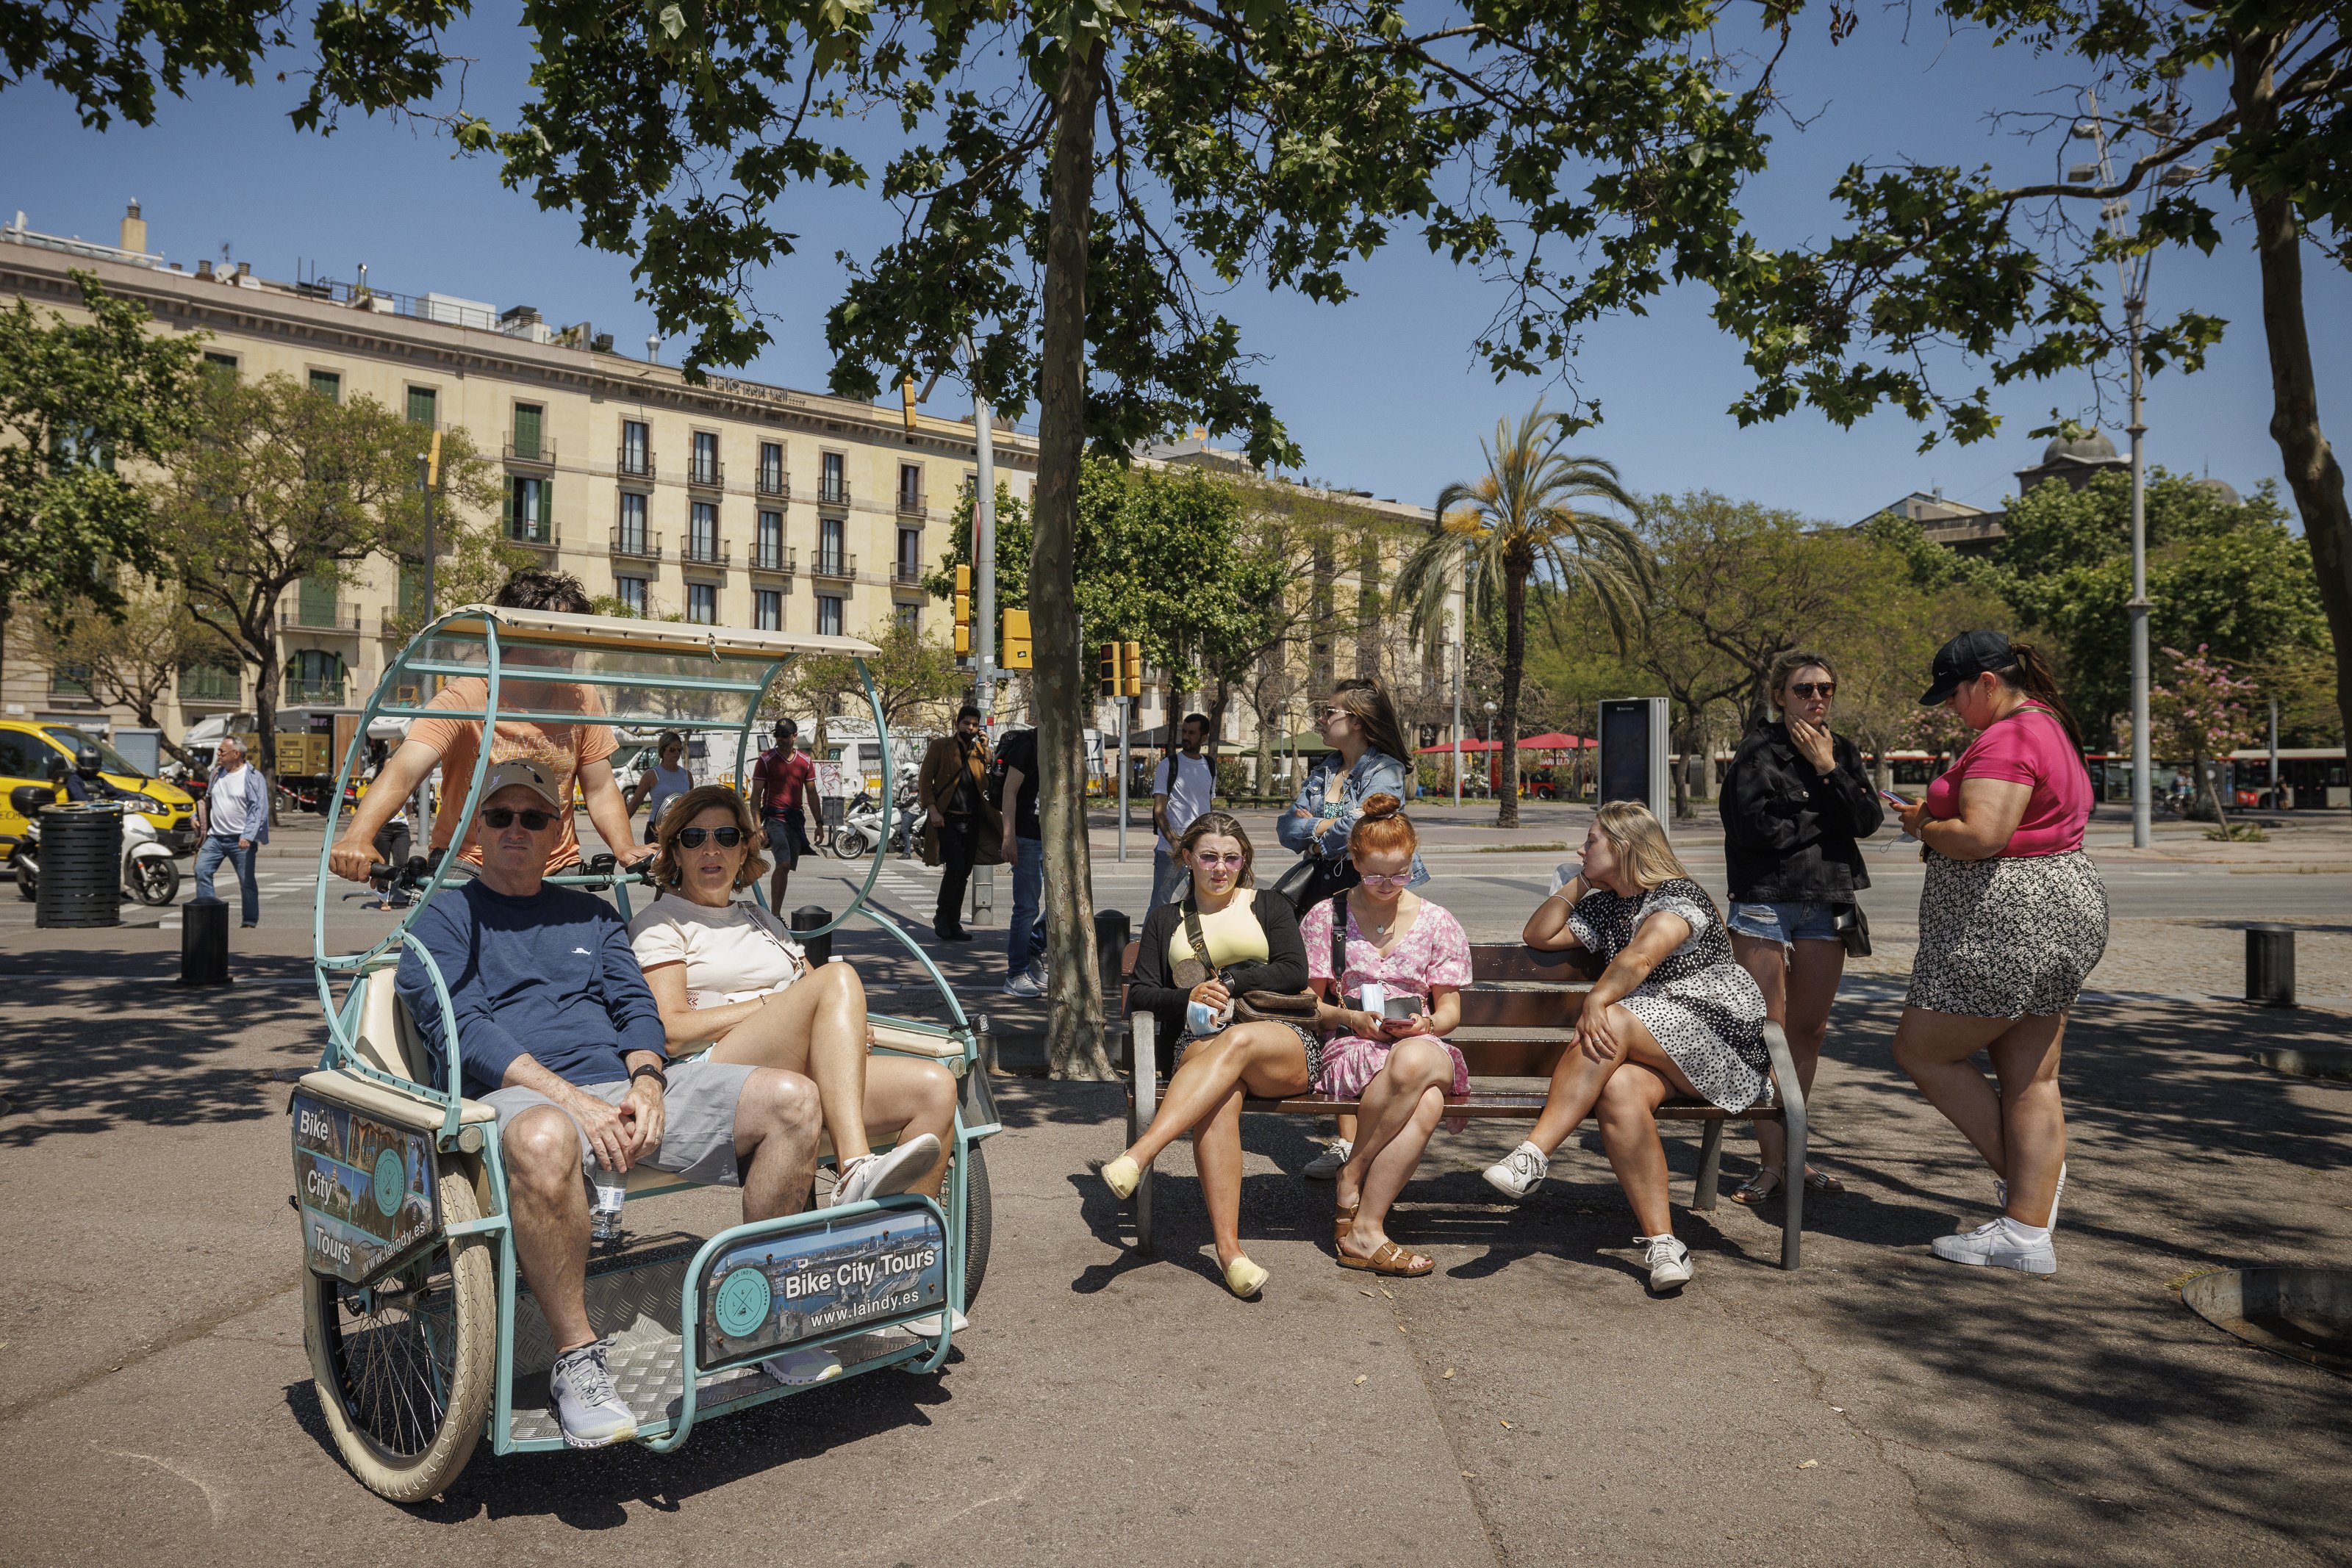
{"x": 557, "y": 1032}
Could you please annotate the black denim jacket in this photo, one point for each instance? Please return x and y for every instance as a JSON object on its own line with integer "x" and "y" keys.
{"x": 1791, "y": 835}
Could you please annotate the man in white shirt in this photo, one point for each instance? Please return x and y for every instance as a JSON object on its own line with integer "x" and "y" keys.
{"x": 1184, "y": 786}
{"x": 235, "y": 822}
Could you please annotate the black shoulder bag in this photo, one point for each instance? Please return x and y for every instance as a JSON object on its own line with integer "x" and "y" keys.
{"x": 1249, "y": 1006}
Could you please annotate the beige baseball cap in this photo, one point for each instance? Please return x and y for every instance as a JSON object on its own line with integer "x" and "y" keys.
{"x": 525, "y": 775}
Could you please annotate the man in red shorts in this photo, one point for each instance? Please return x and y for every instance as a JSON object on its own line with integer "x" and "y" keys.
{"x": 779, "y": 788}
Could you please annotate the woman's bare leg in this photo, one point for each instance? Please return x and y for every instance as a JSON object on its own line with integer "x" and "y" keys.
{"x": 1392, "y": 1167}
{"x": 1629, "y": 1131}
{"x": 1267, "y": 1057}
{"x": 1217, "y": 1156}
{"x": 1934, "y": 1049}
{"x": 2033, "y": 1118}
{"x": 906, "y": 1098}
{"x": 818, "y": 1026}
{"x": 1797, "y": 996}
{"x": 1387, "y": 1103}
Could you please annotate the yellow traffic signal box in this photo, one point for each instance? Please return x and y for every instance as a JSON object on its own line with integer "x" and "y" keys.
{"x": 1134, "y": 669}
{"x": 1016, "y": 640}
{"x": 1107, "y": 671}
{"x": 963, "y": 612}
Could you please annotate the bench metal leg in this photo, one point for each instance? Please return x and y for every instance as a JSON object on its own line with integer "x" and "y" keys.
{"x": 1792, "y": 1174}
{"x": 1143, "y": 1032}
{"x": 1710, "y": 1167}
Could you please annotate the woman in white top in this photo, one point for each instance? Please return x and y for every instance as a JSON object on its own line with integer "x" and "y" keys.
{"x": 663, "y": 782}
{"x": 727, "y": 975}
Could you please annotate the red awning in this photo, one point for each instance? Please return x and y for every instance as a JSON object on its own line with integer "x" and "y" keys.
{"x": 1472, "y": 745}
{"x": 1555, "y": 741}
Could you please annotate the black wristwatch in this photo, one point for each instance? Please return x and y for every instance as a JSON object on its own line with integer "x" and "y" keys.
{"x": 652, "y": 1070}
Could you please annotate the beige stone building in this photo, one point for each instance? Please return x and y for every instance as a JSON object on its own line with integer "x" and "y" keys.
{"x": 735, "y": 503}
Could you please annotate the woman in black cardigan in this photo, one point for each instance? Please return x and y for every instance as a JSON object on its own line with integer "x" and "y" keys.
{"x": 1795, "y": 806}
{"x": 1253, "y": 945}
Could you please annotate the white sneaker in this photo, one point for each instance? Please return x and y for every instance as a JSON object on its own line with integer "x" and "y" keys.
{"x": 590, "y": 1412}
{"x": 2000, "y": 1195}
{"x": 1024, "y": 984}
{"x": 1669, "y": 1261}
{"x": 929, "y": 1328}
{"x": 1325, "y": 1165}
{"x": 880, "y": 1176}
{"x": 1991, "y": 1245}
{"x": 800, "y": 1368}
{"x": 1520, "y": 1173}
{"x": 1037, "y": 972}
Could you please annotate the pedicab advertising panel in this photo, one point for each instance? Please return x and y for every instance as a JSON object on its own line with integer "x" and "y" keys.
{"x": 767, "y": 1292}
{"x": 366, "y": 1190}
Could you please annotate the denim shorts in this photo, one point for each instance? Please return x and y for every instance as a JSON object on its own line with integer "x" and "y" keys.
{"x": 1786, "y": 922}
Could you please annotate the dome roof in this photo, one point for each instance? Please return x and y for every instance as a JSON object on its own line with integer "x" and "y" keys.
{"x": 2220, "y": 490}
{"x": 2094, "y": 447}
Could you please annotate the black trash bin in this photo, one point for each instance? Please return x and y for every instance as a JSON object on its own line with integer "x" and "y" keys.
{"x": 81, "y": 867}
{"x": 2270, "y": 959}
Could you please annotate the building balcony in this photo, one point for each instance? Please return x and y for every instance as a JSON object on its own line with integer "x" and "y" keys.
{"x": 775, "y": 482}
{"x": 906, "y": 574}
{"x": 834, "y": 564}
{"x": 210, "y": 685}
{"x": 338, "y": 618}
{"x": 783, "y": 558}
{"x": 706, "y": 552}
{"x": 911, "y": 505}
{"x": 316, "y": 694}
{"x": 832, "y": 493}
{"x": 705, "y": 473}
{"x": 536, "y": 535}
{"x": 531, "y": 455}
{"x": 634, "y": 463}
{"x": 637, "y": 544}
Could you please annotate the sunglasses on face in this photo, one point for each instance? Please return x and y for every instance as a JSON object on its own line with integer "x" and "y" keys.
{"x": 728, "y": 837}
{"x": 1206, "y": 860}
{"x": 502, "y": 818}
{"x": 1824, "y": 689}
{"x": 1326, "y": 715}
{"x": 1398, "y": 880}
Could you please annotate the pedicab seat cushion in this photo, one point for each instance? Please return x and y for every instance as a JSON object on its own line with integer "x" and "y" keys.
{"x": 394, "y": 1105}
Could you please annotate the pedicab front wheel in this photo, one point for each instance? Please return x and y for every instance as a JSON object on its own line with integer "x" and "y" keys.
{"x": 979, "y": 1207}
{"x": 403, "y": 1367}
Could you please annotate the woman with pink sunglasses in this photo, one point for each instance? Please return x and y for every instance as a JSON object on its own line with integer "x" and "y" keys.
{"x": 1390, "y": 984}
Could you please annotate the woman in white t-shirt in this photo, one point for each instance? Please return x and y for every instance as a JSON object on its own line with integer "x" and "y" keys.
{"x": 727, "y": 975}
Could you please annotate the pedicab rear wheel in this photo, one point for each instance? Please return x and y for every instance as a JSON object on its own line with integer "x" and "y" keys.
{"x": 977, "y": 1205}
{"x": 404, "y": 1368}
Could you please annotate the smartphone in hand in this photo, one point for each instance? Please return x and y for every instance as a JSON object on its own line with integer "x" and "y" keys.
{"x": 1897, "y": 802}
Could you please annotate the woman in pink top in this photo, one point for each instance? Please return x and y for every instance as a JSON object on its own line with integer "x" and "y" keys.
{"x": 2012, "y": 918}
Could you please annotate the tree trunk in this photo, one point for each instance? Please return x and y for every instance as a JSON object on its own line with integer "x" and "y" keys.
{"x": 1515, "y": 653}
{"x": 1074, "y": 1037}
{"x": 264, "y": 642}
{"x": 2210, "y": 780}
{"x": 2312, "y": 471}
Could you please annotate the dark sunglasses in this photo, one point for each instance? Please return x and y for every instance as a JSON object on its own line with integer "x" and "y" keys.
{"x": 1813, "y": 688}
{"x": 728, "y": 837}
{"x": 502, "y": 818}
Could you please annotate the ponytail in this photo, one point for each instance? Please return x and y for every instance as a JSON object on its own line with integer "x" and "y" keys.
{"x": 2030, "y": 674}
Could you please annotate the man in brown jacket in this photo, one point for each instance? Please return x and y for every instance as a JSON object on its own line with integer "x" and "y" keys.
{"x": 963, "y": 827}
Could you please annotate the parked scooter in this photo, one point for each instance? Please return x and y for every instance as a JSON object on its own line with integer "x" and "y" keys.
{"x": 861, "y": 826}
{"x": 150, "y": 874}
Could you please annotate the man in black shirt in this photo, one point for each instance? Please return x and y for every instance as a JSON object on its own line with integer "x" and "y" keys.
{"x": 963, "y": 824}
{"x": 1025, "y": 851}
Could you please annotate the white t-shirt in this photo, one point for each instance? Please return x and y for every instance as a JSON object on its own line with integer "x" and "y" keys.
{"x": 731, "y": 955}
{"x": 1193, "y": 789}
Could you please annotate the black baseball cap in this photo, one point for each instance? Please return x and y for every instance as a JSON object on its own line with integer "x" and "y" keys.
{"x": 1963, "y": 659}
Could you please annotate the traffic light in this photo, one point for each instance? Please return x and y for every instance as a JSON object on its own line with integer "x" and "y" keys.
{"x": 433, "y": 463}
{"x": 1016, "y": 640}
{"x": 1108, "y": 672}
{"x": 1135, "y": 669}
{"x": 963, "y": 612}
{"x": 906, "y": 398}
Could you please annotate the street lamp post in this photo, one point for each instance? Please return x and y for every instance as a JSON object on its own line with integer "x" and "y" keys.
{"x": 1491, "y": 766}
{"x": 984, "y": 545}
{"x": 1457, "y": 723}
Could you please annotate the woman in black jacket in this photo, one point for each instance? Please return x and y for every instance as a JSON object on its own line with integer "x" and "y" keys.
{"x": 1795, "y": 806}
{"x": 1253, "y": 945}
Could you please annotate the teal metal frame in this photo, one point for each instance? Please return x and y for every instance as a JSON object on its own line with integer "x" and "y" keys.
{"x": 343, "y": 1018}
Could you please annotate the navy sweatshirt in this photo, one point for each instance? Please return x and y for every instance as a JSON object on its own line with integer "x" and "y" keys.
{"x": 550, "y": 976}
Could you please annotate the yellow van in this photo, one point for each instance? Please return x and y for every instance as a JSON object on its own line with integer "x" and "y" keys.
{"x": 26, "y": 747}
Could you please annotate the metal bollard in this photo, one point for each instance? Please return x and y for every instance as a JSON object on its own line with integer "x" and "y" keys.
{"x": 808, "y": 917}
{"x": 204, "y": 942}
{"x": 2270, "y": 965}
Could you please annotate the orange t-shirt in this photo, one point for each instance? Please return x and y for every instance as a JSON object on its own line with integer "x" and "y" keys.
{"x": 561, "y": 749}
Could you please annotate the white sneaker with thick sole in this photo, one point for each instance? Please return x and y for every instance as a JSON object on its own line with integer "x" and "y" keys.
{"x": 2000, "y": 1195}
{"x": 799, "y": 1368}
{"x": 1520, "y": 1172}
{"x": 580, "y": 1387}
{"x": 880, "y": 1176}
{"x": 1669, "y": 1261}
{"x": 1991, "y": 1246}
{"x": 1325, "y": 1165}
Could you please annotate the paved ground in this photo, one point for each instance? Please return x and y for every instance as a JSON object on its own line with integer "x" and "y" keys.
{"x": 1529, "y": 1404}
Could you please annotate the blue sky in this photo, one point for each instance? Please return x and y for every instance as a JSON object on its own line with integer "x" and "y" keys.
{"x": 1381, "y": 392}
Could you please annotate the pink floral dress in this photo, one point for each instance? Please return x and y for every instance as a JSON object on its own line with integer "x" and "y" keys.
{"x": 1433, "y": 951}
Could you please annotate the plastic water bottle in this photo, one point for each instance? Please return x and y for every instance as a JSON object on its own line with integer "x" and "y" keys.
{"x": 612, "y": 1189}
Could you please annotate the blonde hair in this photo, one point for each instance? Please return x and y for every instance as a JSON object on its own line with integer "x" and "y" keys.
{"x": 1639, "y": 841}
{"x": 679, "y": 814}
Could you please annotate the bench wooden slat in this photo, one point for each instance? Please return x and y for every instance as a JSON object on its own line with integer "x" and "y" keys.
{"x": 1500, "y": 1103}
{"x": 1521, "y": 1009}
{"x": 1496, "y": 963}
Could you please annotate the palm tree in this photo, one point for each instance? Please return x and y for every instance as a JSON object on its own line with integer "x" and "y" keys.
{"x": 1522, "y": 521}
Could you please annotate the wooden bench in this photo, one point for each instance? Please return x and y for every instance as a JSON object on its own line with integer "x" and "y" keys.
{"x": 1536, "y": 997}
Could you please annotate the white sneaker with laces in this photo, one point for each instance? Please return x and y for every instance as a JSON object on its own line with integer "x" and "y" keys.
{"x": 2000, "y": 1195}
{"x": 591, "y": 1413}
{"x": 1024, "y": 984}
{"x": 1992, "y": 1245}
{"x": 1038, "y": 973}
{"x": 1325, "y": 1165}
{"x": 799, "y": 1368}
{"x": 1519, "y": 1173}
{"x": 1669, "y": 1261}
{"x": 880, "y": 1176}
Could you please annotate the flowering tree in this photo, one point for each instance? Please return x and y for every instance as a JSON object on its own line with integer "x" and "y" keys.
{"x": 2203, "y": 708}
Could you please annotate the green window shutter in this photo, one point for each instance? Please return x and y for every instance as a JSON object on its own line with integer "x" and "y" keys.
{"x": 318, "y": 601}
{"x": 546, "y": 517}
{"x": 327, "y": 384}
{"x": 526, "y": 431}
{"x": 423, "y": 405}
{"x": 411, "y": 588}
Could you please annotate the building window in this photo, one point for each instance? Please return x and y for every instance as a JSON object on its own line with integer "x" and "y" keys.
{"x": 69, "y": 680}
{"x": 702, "y": 532}
{"x": 910, "y": 618}
{"x": 828, "y": 615}
{"x": 768, "y": 610}
{"x": 221, "y": 365}
{"x": 771, "y": 545}
{"x": 423, "y": 405}
{"x": 328, "y": 385}
{"x": 631, "y": 593}
{"x": 637, "y": 449}
{"x": 527, "y": 447}
{"x": 629, "y": 538}
{"x": 772, "y": 468}
{"x": 910, "y": 486}
{"x": 910, "y": 557}
{"x": 702, "y": 603}
{"x": 833, "y": 488}
{"x": 830, "y": 560}
{"x": 530, "y": 519}
{"x": 208, "y": 683}
{"x": 316, "y": 603}
{"x": 314, "y": 677}
{"x": 705, "y": 469}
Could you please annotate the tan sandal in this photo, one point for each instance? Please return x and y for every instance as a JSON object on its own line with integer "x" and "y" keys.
{"x": 1391, "y": 1258}
{"x": 1343, "y": 1221}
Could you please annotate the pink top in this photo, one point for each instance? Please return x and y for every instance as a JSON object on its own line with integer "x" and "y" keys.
{"x": 2029, "y": 747}
{"x": 1434, "y": 951}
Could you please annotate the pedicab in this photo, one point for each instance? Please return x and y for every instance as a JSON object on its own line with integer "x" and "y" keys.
{"x": 423, "y": 1338}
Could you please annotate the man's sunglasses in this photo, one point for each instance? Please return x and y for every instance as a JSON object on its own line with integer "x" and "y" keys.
{"x": 728, "y": 837}
{"x": 502, "y": 818}
{"x": 1813, "y": 688}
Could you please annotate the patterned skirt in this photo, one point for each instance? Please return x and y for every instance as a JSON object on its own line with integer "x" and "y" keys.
{"x": 2009, "y": 936}
{"x": 1308, "y": 1037}
{"x": 1350, "y": 1061}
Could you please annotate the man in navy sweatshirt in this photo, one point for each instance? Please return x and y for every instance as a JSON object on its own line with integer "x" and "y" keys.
{"x": 557, "y": 1032}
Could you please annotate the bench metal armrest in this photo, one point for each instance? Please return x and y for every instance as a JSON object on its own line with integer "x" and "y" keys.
{"x": 1792, "y": 1119}
{"x": 1143, "y": 1034}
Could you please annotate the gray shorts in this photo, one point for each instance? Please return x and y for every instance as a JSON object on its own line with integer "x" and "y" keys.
{"x": 698, "y": 1117}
